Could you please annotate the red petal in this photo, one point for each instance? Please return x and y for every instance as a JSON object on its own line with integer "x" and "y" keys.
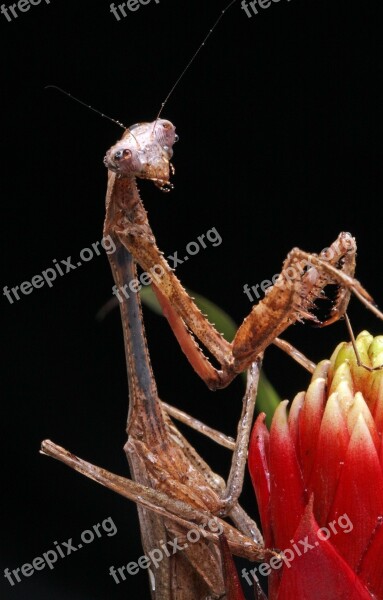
{"x": 286, "y": 483}
{"x": 359, "y": 407}
{"x": 359, "y": 494}
{"x": 331, "y": 451}
{"x": 260, "y": 476}
{"x": 293, "y": 419}
{"x": 309, "y": 423}
{"x": 378, "y": 412}
{"x": 319, "y": 573}
{"x": 371, "y": 571}
{"x": 232, "y": 584}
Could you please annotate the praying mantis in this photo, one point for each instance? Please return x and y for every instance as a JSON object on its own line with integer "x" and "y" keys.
{"x": 174, "y": 488}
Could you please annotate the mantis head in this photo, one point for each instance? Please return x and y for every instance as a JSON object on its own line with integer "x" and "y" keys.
{"x": 144, "y": 151}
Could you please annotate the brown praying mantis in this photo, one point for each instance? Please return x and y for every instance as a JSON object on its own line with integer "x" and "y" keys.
{"x": 174, "y": 488}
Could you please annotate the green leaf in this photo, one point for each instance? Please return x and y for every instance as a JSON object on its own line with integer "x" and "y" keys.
{"x": 267, "y": 398}
{"x": 149, "y": 299}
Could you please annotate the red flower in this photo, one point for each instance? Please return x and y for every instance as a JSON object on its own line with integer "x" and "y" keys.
{"x": 318, "y": 478}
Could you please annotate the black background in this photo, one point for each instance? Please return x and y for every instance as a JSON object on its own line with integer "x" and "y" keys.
{"x": 280, "y": 131}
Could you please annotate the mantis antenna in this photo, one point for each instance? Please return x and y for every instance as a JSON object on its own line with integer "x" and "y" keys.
{"x": 55, "y": 87}
{"x": 194, "y": 57}
{"x": 190, "y": 62}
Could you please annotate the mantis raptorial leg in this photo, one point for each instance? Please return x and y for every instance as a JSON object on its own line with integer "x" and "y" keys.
{"x": 145, "y": 151}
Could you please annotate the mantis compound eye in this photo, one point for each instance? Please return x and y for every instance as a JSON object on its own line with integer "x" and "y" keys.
{"x": 122, "y": 154}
